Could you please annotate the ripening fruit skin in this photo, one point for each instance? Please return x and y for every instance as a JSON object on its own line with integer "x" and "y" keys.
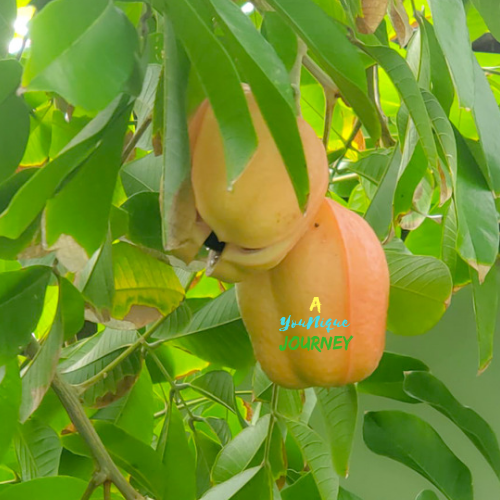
{"x": 373, "y": 13}
{"x": 340, "y": 261}
{"x": 261, "y": 208}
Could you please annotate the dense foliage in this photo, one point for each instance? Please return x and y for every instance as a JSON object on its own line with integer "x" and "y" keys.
{"x": 124, "y": 371}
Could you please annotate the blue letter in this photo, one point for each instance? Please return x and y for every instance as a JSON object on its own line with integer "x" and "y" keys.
{"x": 285, "y": 323}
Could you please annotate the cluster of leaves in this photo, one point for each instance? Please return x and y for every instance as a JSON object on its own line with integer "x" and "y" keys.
{"x": 93, "y": 127}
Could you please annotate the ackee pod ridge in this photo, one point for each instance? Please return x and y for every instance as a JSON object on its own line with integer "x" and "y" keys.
{"x": 340, "y": 261}
{"x": 261, "y": 208}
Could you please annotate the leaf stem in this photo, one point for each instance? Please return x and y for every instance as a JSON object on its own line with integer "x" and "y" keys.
{"x": 173, "y": 384}
{"x": 127, "y": 352}
{"x": 272, "y": 420}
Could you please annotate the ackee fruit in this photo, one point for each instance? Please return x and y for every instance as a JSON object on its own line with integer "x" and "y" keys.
{"x": 340, "y": 261}
{"x": 258, "y": 220}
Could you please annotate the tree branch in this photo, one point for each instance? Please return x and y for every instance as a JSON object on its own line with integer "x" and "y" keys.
{"x": 69, "y": 399}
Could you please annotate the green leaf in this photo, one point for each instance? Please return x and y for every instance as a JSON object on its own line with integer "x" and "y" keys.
{"x": 444, "y": 132}
{"x": 304, "y": 487}
{"x": 450, "y": 26}
{"x": 339, "y": 407}
{"x": 176, "y": 147}
{"x": 132, "y": 455}
{"x": 427, "y": 388}
{"x": 31, "y": 198}
{"x": 39, "y": 373}
{"x": 318, "y": 457}
{"x": 347, "y": 495}
{"x": 134, "y": 412}
{"x": 144, "y": 220}
{"x": 239, "y": 453}
{"x": 490, "y": 12}
{"x": 142, "y": 175}
{"x": 402, "y": 77}
{"x": 328, "y": 40}
{"x": 420, "y": 292}
{"x": 413, "y": 442}
{"x": 442, "y": 83}
{"x": 487, "y": 117}
{"x": 38, "y": 450}
{"x": 96, "y": 279}
{"x": 10, "y": 401}
{"x": 47, "y": 488}
{"x": 207, "y": 450}
{"x": 387, "y": 380}
{"x": 177, "y": 458}
{"x": 175, "y": 323}
{"x": 289, "y": 403}
{"x": 8, "y": 13}
{"x": 72, "y": 308}
{"x": 427, "y": 495}
{"x": 217, "y": 385}
{"x": 277, "y": 32}
{"x": 476, "y": 212}
{"x": 247, "y": 485}
{"x": 485, "y": 296}
{"x": 379, "y": 213}
{"x": 141, "y": 280}
{"x": 271, "y": 87}
{"x": 220, "y": 80}
{"x": 84, "y": 52}
{"x": 14, "y": 122}
{"x": 69, "y": 213}
{"x": 207, "y": 333}
{"x": 21, "y": 303}
{"x": 88, "y": 357}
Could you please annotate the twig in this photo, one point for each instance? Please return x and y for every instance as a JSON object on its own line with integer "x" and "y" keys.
{"x": 175, "y": 387}
{"x": 96, "y": 480}
{"x": 135, "y": 139}
{"x": 107, "y": 490}
{"x": 348, "y": 145}
{"x": 107, "y": 468}
{"x": 323, "y": 79}
{"x": 330, "y": 101}
{"x": 274, "y": 404}
{"x": 125, "y": 354}
{"x": 345, "y": 178}
{"x": 386, "y": 137}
